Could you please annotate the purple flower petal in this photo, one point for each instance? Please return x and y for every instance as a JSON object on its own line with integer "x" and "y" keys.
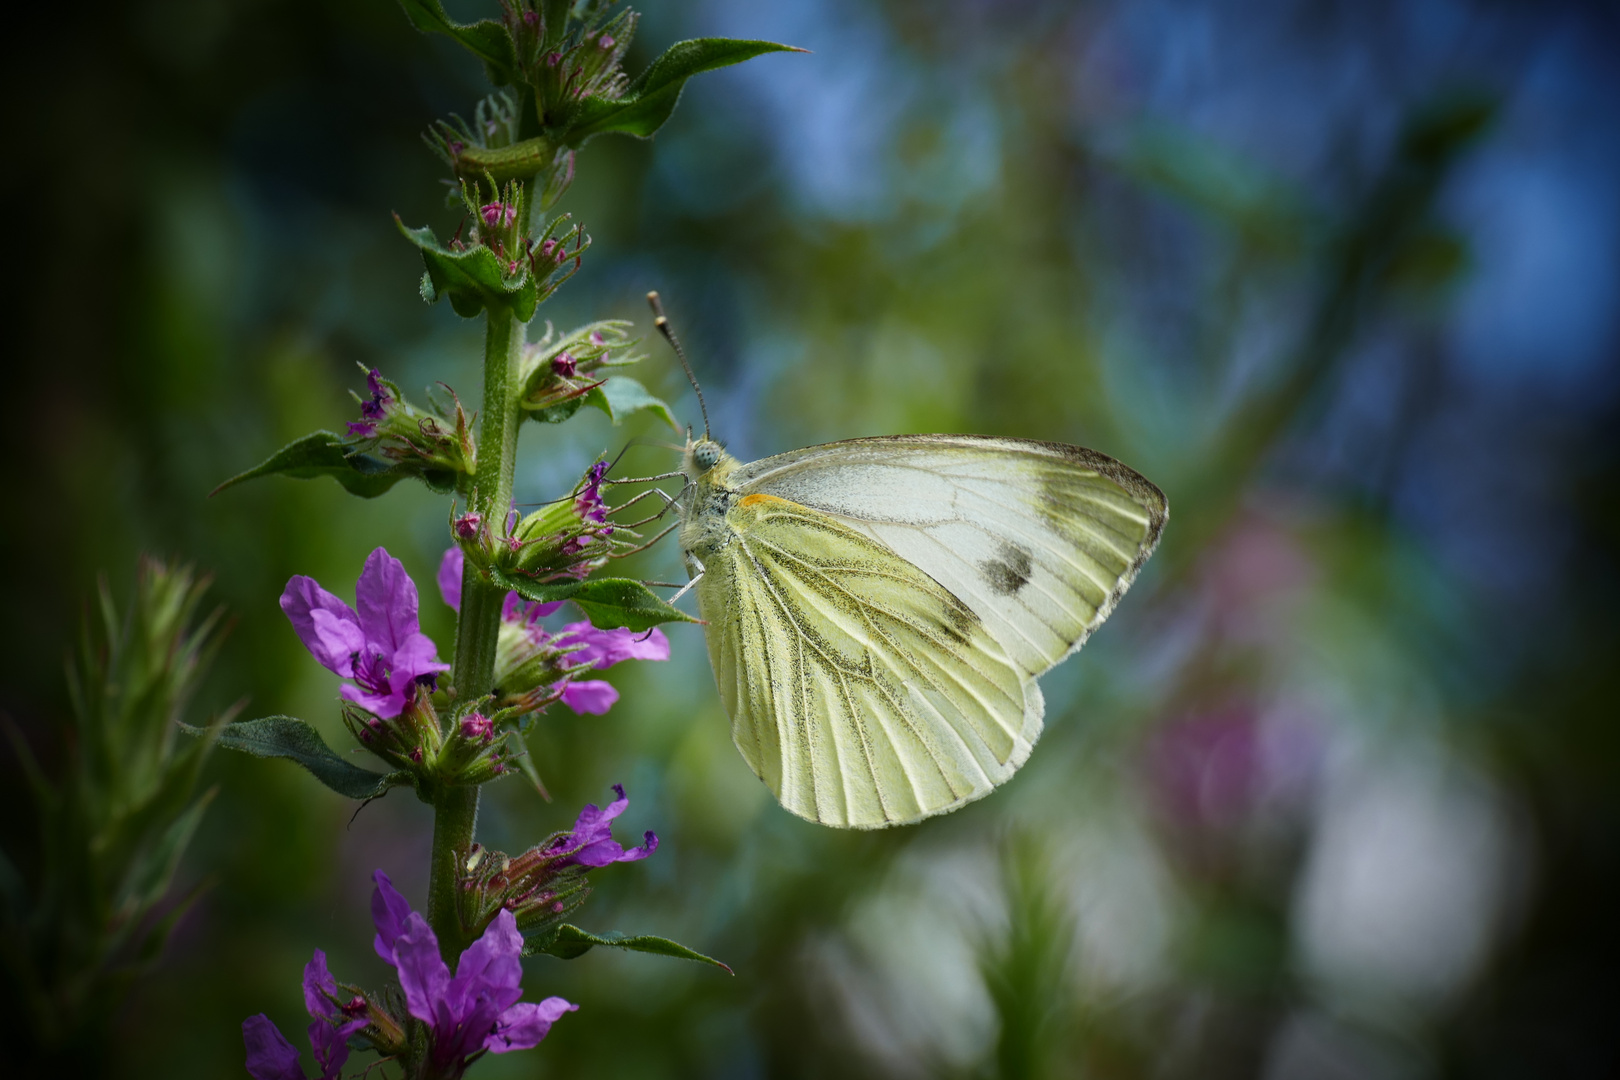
{"x": 596, "y": 824}
{"x": 592, "y": 696}
{"x": 269, "y": 1055}
{"x": 318, "y": 982}
{"x": 449, "y": 577}
{"x": 386, "y": 598}
{"x": 389, "y": 910}
{"x": 416, "y": 656}
{"x": 490, "y": 966}
{"x": 327, "y": 626}
{"x": 592, "y": 840}
{"x": 386, "y": 705}
{"x": 422, "y": 972}
{"x": 331, "y": 1045}
{"x": 604, "y": 648}
{"x": 604, "y": 852}
{"x": 525, "y": 1024}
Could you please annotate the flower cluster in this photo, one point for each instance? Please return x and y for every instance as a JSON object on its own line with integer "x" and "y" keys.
{"x": 534, "y": 666}
{"x": 449, "y": 1020}
{"x": 500, "y": 219}
{"x": 401, "y": 432}
{"x": 547, "y": 882}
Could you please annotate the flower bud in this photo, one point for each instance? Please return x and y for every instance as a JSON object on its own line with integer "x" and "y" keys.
{"x": 401, "y": 432}
{"x": 567, "y": 539}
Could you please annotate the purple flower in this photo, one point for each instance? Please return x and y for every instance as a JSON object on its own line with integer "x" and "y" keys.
{"x": 271, "y": 1057}
{"x": 381, "y": 398}
{"x": 382, "y": 648}
{"x": 564, "y": 365}
{"x": 604, "y": 648}
{"x": 477, "y": 1009}
{"x": 585, "y": 644}
{"x": 589, "y": 696}
{"x": 588, "y": 503}
{"x": 514, "y": 609}
{"x": 591, "y": 842}
{"x": 374, "y": 409}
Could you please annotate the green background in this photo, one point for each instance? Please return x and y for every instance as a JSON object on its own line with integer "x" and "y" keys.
{"x": 1334, "y": 792}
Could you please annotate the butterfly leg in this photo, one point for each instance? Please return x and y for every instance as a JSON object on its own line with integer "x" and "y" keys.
{"x": 691, "y": 561}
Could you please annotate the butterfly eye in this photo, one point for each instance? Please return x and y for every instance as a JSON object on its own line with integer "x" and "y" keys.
{"x": 707, "y": 455}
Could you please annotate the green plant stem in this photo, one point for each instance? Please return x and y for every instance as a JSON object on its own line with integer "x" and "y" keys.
{"x": 455, "y": 808}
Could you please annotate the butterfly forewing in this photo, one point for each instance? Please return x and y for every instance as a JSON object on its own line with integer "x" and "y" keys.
{"x": 860, "y": 689}
{"x": 1040, "y": 540}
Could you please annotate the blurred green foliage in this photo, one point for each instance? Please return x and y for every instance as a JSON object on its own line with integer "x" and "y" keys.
{"x": 94, "y": 911}
{"x": 1334, "y": 793}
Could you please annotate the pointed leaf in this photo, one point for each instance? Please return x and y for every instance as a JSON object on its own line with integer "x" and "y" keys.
{"x": 607, "y": 602}
{"x": 473, "y": 278}
{"x": 556, "y": 414}
{"x": 289, "y": 737}
{"x": 651, "y": 98}
{"x": 486, "y": 39}
{"x": 152, "y": 875}
{"x": 620, "y": 395}
{"x": 567, "y": 942}
{"x": 325, "y": 453}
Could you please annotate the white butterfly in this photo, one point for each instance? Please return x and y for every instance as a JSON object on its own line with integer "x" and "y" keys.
{"x": 879, "y": 609}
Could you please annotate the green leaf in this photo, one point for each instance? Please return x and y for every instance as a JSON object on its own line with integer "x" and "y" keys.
{"x": 620, "y": 395}
{"x": 607, "y": 602}
{"x": 486, "y": 39}
{"x": 473, "y": 279}
{"x": 651, "y": 98}
{"x": 289, "y": 737}
{"x": 556, "y": 414}
{"x": 567, "y": 942}
{"x": 325, "y": 453}
{"x": 153, "y": 874}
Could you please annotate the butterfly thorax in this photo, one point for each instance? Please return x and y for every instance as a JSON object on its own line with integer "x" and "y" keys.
{"x": 703, "y": 519}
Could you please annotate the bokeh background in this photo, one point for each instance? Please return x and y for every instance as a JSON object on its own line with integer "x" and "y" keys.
{"x": 1333, "y": 795}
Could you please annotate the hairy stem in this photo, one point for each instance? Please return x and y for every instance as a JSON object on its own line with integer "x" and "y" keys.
{"x": 455, "y": 808}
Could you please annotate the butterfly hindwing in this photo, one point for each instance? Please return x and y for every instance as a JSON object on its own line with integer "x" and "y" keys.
{"x": 861, "y": 691}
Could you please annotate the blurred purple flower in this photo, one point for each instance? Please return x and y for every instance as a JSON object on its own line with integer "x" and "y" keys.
{"x": 382, "y": 648}
{"x": 271, "y": 1057}
{"x": 478, "y": 1009}
{"x": 590, "y": 843}
{"x": 1215, "y": 774}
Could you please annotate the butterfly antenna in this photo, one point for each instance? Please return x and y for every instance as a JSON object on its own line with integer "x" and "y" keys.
{"x": 660, "y": 321}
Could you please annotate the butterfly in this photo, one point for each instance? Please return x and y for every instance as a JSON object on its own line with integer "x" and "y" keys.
{"x": 879, "y": 609}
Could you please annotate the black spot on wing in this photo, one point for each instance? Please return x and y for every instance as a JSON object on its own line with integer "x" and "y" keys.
{"x": 1008, "y": 571}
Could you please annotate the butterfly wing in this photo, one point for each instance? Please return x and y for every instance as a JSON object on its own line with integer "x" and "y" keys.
{"x": 860, "y": 690}
{"x": 1039, "y": 539}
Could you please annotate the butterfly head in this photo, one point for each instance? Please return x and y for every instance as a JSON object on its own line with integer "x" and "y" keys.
{"x": 702, "y": 455}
